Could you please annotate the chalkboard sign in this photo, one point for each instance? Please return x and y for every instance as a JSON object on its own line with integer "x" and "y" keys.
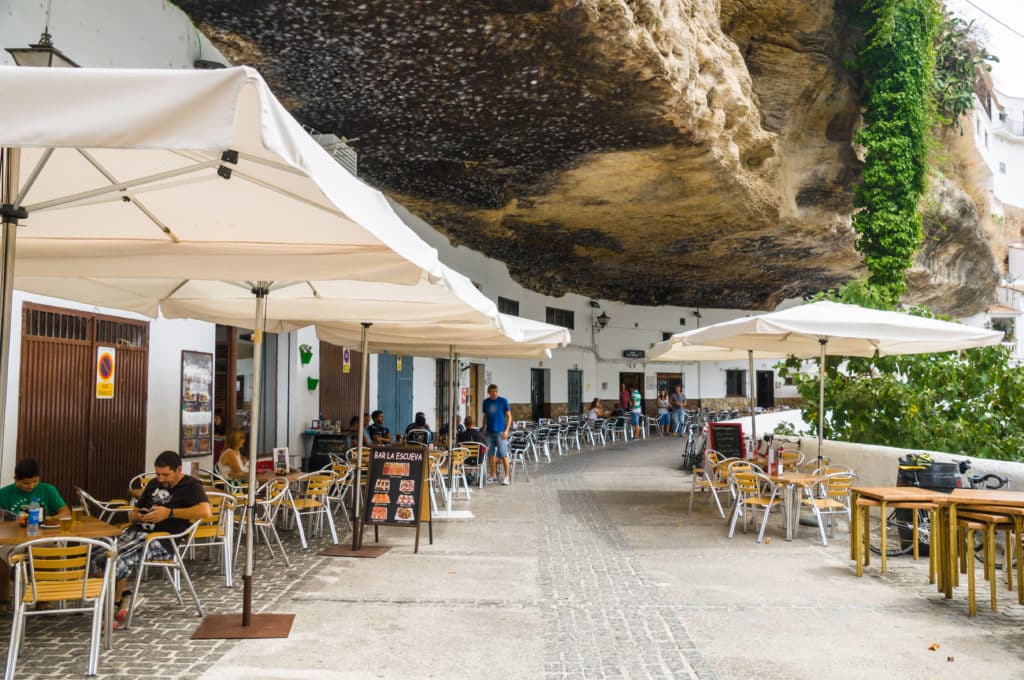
{"x": 395, "y": 486}
{"x": 727, "y": 439}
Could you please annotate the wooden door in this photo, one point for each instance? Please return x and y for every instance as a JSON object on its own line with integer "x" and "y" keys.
{"x": 78, "y": 439}
{"x": 339, "y": 391}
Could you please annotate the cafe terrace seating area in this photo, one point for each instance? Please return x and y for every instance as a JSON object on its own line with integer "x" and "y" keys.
{"x": 299, "y": 514}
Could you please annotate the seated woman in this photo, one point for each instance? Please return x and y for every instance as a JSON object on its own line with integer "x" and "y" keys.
{"x": 420, "y": 423}
{"x": 596, "y": 410}
{"x": 234, "y": 460}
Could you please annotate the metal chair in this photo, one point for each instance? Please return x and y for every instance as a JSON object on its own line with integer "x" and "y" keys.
{"x": 216, "y": 530}
{"x": 105, "y": 511}
{"x": 517, "y": 452}
{"x": 312, "y": 499}
{"x": 51, "y": 570}
{"x": 270, "y": 498}
{"x": 174, "y": 568}
{"x": 753, "y": 490}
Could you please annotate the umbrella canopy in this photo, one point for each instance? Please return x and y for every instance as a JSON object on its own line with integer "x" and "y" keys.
{"x": 830, "y": 328}
{"x": 444, "y": 297}
{"x": 188, "y": 174}
{"x": 201, "y": 184}
{"x": 849, "y": 330}
{"x": 512, "y": 337}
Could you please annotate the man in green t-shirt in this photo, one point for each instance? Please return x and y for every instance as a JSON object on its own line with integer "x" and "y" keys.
{"x": 15, "y": 498}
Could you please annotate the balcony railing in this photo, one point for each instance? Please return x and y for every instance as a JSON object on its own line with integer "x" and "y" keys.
{"x": 1011, "y": 125}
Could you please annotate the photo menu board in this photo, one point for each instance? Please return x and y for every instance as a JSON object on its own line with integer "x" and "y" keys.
{"x": 196, "y": 403}
{"x": 395, "y": 486}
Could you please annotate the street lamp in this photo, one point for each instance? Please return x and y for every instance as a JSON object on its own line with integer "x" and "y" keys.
{"x": 42, "y": 53}
{"x": 601, "y": 321}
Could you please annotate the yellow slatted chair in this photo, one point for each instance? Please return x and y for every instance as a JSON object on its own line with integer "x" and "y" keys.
{"x": 50, "y": 570}
{"x": 831, "y": 496}
{"x": 791, "y": 460}
{"x": 174, "y": 568}
{"x": 114, "y": 511}
{"x": 311, "y": 499}
{"x": 753, "y": 490}
{"x": 216, "y": 530}
{"x": 344, "y": 479}
{"x": 711, "y": 478}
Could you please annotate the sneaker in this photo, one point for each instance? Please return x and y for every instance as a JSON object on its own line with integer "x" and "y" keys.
{"x": 492, "y": 480}
{"x": 505, "y": 482}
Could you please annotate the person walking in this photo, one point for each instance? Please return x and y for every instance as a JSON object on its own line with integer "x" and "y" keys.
{"x": 497, "y": 423}
{"x": 676, "y": 403}
{"x": 638, "y": 413}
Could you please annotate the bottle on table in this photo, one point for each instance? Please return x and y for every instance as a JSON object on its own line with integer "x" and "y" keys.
{"x": 35, "y": 517}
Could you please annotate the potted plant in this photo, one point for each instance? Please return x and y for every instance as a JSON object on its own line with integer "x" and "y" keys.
{"x": 305, "y": 353}
{"x": 311, "y": 383}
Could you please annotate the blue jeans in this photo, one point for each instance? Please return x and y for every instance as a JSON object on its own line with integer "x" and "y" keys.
{"x": 663, "y": 418}
{"x": 677, "y": 421}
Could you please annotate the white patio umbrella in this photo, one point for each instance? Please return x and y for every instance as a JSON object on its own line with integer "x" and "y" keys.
{"x": 513, "y": 337}
{"x": 182, "y": 176}
{"x": 680, "y": 347}
{"x": 830, "y": 328}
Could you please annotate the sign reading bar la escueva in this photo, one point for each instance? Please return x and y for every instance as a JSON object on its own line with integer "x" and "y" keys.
{"x": 633, "y": 354}
{"x": 395, "y": 485}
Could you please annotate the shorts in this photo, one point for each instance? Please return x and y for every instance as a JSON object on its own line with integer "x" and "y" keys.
{"x": 496, "y": 446}
{"x": 636, "y": 418}
{"x": 129, "y": 552}
{"x": 664, "y": 418}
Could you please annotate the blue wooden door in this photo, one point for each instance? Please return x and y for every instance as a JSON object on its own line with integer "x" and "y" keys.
{"x": 394, "y": 391}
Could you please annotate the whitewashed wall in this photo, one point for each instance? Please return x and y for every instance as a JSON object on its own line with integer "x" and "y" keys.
{"x": 108, "y": 33}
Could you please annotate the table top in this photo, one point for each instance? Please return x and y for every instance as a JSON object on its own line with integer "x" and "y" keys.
{"x": 795, "y": 478}
{"x": 11, "y": 533}
{"x": 987, "y": 497}
{"x": 893, "y": 494}
{"x": 264, "y": 477}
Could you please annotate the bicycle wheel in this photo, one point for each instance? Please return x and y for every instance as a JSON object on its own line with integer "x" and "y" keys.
{"x": 1004, "y": 553}
{"x": 894, "y": 526}
{"x": 689, "y": 455}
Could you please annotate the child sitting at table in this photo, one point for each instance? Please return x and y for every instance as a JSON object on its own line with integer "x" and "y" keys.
{"x": 15, "y": 498}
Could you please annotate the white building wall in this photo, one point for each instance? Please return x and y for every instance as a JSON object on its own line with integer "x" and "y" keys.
{"x": 108, "y": 33}
{"x": 1000, "y": 141}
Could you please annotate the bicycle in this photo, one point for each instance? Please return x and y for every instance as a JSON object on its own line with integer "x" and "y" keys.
{"x": 900, "y": 523}
{"x": 693, "y": 450}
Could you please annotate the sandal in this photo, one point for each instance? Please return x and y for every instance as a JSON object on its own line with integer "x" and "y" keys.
{"x": 123, "y": 605}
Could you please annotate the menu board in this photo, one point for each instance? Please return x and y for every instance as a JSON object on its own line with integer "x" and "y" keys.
{"x": 395, "y": 485}
{"x": 196, "y": 403}
{"x": 727, "y": 439}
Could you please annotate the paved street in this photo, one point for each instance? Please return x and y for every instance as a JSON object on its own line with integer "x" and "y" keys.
{"x": 590, "y": 570}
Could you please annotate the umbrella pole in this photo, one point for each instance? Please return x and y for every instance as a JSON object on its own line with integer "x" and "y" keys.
{"x": 226, "y": 626}
{"x": 260, "y": 291}
{"x": 357, "y": 518}
{"x": 452, "y": 370}
{"x": 10, "y": 168}
{"x": 753, "y": 416}
{"x": 821, "y": 396}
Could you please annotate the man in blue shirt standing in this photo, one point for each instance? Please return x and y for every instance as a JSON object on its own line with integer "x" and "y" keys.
{"x": 497, "y": 423}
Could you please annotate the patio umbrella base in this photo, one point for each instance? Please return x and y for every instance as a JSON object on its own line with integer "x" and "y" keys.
{"x": 809, "y": 521}
{"x": 345, "y": 551}
{"x": 229, "y": 627}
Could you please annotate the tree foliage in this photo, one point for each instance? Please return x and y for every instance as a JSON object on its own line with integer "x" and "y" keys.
{"x": 959, "y": 58}
{"x": 962, "y": 402}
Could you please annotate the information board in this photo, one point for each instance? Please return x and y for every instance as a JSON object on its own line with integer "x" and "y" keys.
{"x": 196, "y": 403}
{"x": 395, "y": 486}
{"x": 727, "y": 439}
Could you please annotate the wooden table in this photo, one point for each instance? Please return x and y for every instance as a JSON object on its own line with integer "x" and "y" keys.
{"x": 884, "y": 496}
{"x": 793, "y": 481}
{"x": 11, "y": 533}
{"x": 264, "y": 477}
{"x": 993, "y": 498}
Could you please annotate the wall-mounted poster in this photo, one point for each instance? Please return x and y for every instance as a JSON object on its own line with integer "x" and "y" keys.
{"x": 196, "y": 403}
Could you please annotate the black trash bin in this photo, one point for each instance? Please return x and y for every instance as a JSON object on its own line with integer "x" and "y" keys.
{"x": 935, "y": 476}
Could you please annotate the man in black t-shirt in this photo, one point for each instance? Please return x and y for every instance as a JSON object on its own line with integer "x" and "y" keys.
{"x": 171, "y": 502}
{"x": 378, "y": 433}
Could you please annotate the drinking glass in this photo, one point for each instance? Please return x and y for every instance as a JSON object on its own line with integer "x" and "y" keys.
{"x": 66, "y": 522}
{"x": 76, "y": 515}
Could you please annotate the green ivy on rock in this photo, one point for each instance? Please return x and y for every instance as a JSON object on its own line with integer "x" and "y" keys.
{"x": 897, "y": 63}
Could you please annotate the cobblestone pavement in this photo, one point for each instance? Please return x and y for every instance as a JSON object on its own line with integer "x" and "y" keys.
{"x": 591, "y": 570}
{"x": 608, "y": 619}
{"x": 159, "y": 643}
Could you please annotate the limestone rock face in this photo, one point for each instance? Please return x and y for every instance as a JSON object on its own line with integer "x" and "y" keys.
{"x": 955, "y": 271}
{"x": 690, "y": 152}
